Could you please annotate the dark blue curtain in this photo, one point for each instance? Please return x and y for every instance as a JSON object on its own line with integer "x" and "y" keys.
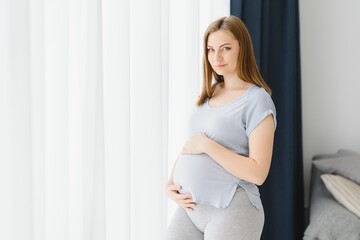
{"x": 274, "y": 29}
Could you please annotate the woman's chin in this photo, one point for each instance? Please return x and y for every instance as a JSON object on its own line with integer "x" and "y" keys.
{"x": 221, "y": 73}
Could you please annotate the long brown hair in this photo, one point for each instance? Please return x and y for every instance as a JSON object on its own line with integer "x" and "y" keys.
{"x": 246, "y": 64}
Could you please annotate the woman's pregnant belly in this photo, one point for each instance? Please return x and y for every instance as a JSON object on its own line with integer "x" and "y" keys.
{"x": 205, "y": 179}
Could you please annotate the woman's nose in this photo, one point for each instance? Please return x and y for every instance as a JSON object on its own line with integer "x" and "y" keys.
{"x": 217, "y": 56}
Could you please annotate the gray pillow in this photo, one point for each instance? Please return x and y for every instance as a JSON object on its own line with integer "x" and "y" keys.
{"x": 340, "y": 152}
{"x": 346, "y": 164}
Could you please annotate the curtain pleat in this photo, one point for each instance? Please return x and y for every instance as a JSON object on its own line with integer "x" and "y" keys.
{"x": 146, "y": 123}
{"x": 16, "y": 199}
{"x": 116, "y": 56}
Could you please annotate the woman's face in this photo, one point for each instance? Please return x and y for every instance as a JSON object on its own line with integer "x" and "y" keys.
{"x": 223, "y": 51}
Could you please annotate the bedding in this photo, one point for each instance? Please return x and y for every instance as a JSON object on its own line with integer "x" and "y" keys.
{"x": 328, "y": 219}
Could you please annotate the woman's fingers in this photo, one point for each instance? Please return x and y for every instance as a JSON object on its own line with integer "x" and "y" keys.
{"x": 174, "y": 187}
{"x": 184, "y": 200}
{"x": 188, "y": 206}
{"x": 183, "y": 196}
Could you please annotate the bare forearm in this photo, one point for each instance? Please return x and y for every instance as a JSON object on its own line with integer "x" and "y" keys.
{"x": 242, "y": 167}
{"x": 254, "y": 168}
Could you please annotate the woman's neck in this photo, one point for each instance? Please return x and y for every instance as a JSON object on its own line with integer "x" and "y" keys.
{"x": 234, "y": 83}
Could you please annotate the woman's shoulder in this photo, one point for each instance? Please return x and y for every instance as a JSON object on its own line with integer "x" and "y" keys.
{"x": 258, "y": 96}
{"x": 256, "y": 91}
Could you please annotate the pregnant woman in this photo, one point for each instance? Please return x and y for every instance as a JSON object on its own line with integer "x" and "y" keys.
{"x": 229, "y": 147}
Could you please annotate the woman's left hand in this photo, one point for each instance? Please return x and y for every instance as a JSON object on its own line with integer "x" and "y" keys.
{"x": 196, "y": 144}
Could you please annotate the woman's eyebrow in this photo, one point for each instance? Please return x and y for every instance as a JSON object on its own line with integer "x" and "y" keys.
{"x": 221, "y": 45}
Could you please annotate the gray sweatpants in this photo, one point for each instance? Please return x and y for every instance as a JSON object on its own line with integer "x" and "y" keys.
{"x": 239, "y": 221}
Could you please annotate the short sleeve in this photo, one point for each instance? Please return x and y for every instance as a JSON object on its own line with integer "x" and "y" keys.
{"x": 258, "y": 106}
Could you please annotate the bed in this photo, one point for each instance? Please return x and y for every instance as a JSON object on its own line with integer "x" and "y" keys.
{"x": 328, "y": 219}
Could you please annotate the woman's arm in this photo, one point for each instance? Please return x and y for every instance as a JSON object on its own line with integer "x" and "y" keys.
{"x": 254, "y": 168}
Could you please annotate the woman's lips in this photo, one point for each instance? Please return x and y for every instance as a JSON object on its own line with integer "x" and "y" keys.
{"x": 219, "y": 65}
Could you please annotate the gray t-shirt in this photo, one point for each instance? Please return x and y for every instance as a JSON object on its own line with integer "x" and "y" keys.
{"x": 229, "y": 125}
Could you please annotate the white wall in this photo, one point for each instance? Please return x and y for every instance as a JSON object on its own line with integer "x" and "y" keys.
{"x": 330, "y": 63}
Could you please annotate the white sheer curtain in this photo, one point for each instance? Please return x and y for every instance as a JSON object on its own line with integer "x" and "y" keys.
{"x": 86, "y": 100}
{"x": 83, "y": 119}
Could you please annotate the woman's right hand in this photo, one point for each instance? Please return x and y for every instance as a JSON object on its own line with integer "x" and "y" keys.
{"x": 184, "y": 200}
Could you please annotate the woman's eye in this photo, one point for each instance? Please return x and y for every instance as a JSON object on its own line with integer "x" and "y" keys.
{"x": 210, "y": 50}
{"x": 226, "y": 48}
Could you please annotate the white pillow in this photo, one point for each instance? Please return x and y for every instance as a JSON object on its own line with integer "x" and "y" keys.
{"x": 345, "y": 191}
